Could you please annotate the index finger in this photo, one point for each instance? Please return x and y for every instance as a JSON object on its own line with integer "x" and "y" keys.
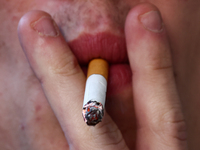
{"x": 160, "y": 119}
{"x": 63, "y": 83}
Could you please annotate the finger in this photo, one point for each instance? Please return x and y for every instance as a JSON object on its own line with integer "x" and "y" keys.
{"x": 158, "y": 110}
{"x": 63, "y": 82}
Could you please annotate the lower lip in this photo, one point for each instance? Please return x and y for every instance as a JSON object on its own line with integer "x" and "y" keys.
{"x": 120, "y": 77}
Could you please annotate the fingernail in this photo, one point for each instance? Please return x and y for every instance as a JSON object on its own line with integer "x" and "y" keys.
{"x": 152, "y": 21}
{"x": 45, "y": 26}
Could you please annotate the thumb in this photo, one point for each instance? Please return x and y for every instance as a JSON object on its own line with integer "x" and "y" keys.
{"x": 160, "y": 120}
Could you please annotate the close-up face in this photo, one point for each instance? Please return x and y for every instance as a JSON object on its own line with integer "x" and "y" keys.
{"x": 91, "y": 29}
{"x": 95, "y": 28}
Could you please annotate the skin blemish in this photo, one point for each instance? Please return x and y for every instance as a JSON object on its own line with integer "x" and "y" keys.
{"x": 38, "y": 108}
{"x": 37, "y": 119}
{"x": 22, "y": 127}
{"x": 2, "y": 44}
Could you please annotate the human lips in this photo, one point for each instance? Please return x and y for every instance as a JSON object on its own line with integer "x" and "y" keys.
{"x": 102, "y": 45}
{"x": 109, "y": 47}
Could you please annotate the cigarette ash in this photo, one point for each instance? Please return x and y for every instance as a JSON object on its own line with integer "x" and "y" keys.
{"x": 92, "y": 112}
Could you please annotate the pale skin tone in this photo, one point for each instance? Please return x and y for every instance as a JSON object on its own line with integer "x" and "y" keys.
{"x": 42, "y": 83}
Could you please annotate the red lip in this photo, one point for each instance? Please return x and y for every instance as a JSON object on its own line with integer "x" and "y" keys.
{"x": 109, "y": 47}
{"x": 102, "y": 45}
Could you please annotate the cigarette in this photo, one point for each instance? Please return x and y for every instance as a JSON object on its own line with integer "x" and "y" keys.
{"x": 95, "y": 92}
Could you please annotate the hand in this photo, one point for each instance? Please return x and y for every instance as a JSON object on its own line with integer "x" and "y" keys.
{"x": 158, "y": 112}
{"x": 27, "y": 120}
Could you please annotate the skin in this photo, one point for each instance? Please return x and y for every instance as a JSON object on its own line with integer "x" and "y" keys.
{"x": 36, "y": 92}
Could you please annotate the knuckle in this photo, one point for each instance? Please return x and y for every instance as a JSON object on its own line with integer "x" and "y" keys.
{"x": 175, "y": 125}
{"x": 171, "y": 126}
{"x": 178, "y": 130}
{"x": 66, "y": 65}
{"x": 161, "y": 61}
{"x": 156, "y": 68}
{"x": 108, "y": 136}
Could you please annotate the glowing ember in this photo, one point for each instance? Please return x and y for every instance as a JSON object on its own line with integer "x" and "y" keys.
{"x": 92, "y": 112}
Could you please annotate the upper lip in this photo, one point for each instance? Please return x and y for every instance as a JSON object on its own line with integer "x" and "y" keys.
{"x": 102, "y": 45}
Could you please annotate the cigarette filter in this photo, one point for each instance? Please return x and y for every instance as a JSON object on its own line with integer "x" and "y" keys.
{"x": 95, "y": 92}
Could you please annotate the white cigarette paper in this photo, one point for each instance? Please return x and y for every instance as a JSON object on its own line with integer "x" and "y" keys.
{"x": 95, "y": 89}
{"x": 95, "y": 92}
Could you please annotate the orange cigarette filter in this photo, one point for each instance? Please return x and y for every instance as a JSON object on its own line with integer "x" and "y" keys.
{"x": 98, "y": 66}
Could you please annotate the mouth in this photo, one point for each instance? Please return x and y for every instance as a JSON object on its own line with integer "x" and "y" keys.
{"x": 102, "y": 45}
{"x": 110, "y": 47}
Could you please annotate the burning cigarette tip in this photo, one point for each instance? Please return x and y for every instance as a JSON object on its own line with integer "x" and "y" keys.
{"x": 93, "y": 113}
